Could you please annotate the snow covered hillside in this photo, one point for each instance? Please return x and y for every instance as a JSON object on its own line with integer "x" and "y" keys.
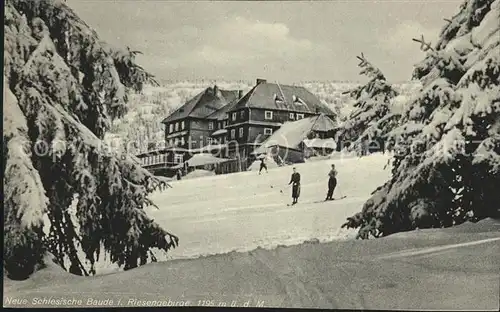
{"x": 243, "y": 211}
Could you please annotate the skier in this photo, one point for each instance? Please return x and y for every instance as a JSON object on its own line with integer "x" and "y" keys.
{"x": 262, "y": 165}
{"x": 332, "y": 183}
{"x": 179, "y": 174}
{"x": 295, "y": 186}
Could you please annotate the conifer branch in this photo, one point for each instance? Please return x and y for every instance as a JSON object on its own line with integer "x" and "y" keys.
{"x": 368, "y": 68}
{"x": 424, "y": 46}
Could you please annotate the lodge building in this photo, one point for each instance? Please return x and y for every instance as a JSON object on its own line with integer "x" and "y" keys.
{"x": 230, "y": 124}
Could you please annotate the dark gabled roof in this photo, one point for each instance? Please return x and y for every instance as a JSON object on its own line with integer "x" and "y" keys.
{"x": 221, "y": 113}
{"x": 203, "y": 104}
{"x": 282, "y": 97}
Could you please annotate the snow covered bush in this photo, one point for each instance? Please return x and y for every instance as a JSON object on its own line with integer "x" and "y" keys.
{"x": 372, "y": 117}
{"x": 447, "y": 156}
{"x": 62, "y": 88}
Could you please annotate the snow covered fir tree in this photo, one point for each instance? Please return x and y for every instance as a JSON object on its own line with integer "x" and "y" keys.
{"x": 446, "y": 166}
{"x": 372, "y": 118}
{"x": 63, "y": 86}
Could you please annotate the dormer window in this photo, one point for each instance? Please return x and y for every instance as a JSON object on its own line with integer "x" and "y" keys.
{"x": 234, "y": 116}
{"x": 297, "y": 100}
{"x": 268, "y": 115}
{"x": 278, "y": 99}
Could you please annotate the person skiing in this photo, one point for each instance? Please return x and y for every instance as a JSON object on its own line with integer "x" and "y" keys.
{"x": 295, "y": 186}
{"x": 332, "y": 183}
{"x": 262, "y": 165}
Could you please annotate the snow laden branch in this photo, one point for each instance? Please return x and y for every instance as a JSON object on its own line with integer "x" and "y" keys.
{"x": 64, "y": 87}
{"x": 373, "y": 117}
{"x": 446, "y": 165}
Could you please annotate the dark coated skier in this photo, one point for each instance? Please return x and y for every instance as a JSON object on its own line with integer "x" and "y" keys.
{"x": 295, "y": 186}
{"x": 262, "y": 165}
{"x": 332, "y": 183}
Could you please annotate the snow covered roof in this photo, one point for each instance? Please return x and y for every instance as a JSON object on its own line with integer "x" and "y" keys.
{"x": 291, "y": 134}
{"x": 320, "y": 143}
{"x": 219, "y": 132}
{"x": 204, "y": 159}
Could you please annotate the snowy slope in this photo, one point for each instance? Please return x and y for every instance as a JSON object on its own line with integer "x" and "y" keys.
{"x": 243, "y": 211}
{"x": 440, "y": 269}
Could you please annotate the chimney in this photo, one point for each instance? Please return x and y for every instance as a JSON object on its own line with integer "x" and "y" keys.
{"x": 259, "y": 81}
{"x": 217, "y": 91}
{"x": 240, "y": 94}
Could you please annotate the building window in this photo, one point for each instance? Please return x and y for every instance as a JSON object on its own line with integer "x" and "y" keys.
{"x": 176, "y": 126}
{"x": 224, "y": 123}
{"x": 241, "y": 132}
{"x": 300, "y": 116}
{"x": 292, "y": 116}
{"x": 268, "y": 131}
{"x": 178, "y": 158}
{"x": 183, "y": 125}
{"x": 170, "y": 142}
{"x": 242, "y": 114}
{"x": 233, "y": 133}
{"x": 234, "y": 116}
{"x": 171, "y": 128}
{"x": 183, "y": 141}
{"x": 176, "y": 141}
{"x": 268, "y": 115}
{"x": 210, "y": 126}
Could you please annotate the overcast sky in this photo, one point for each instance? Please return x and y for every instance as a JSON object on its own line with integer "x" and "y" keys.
{"x": 289, "y": 41}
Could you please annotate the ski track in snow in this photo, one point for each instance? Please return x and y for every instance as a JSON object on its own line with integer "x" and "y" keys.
{"x": 437, "y": 249}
